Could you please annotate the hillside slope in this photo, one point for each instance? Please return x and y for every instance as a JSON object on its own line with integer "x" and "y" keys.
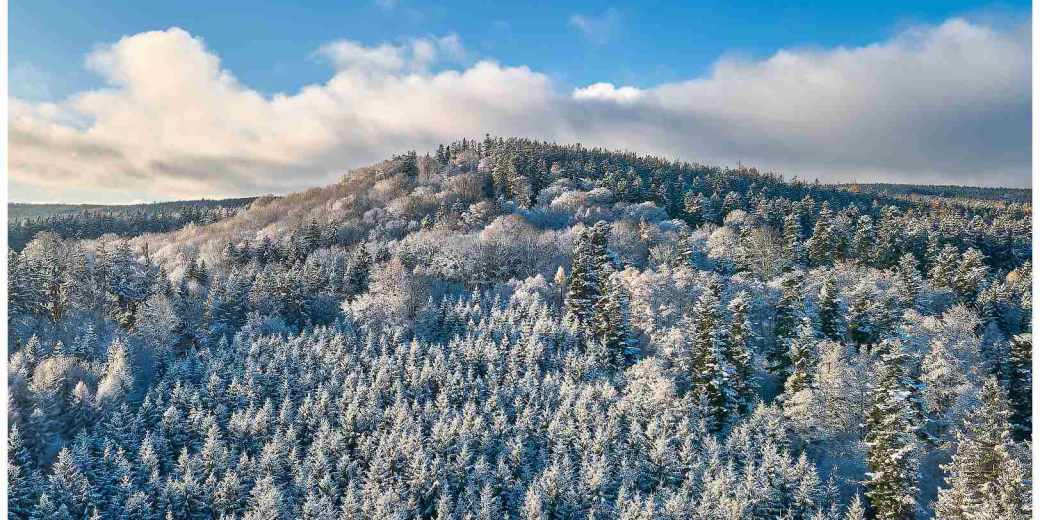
{"x": 509, "y": 328}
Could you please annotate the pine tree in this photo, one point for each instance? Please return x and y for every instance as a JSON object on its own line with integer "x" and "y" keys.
{"x": 355, "y": 280}
{"x": 709, "y": 381}
{"x": 827, "y": 306}
{"x": 788, "y": 315}
{"x": 22, "y": 479}
{"x": 820, "y": 247}
{"x": 862, "y": 326}
{"x": 587, "y": 276}
{"x": 803, "y": 358}
{"x": 908, "y": 280}
{"x": 944, "y": 266}
{"x": 612, "y": 327}
{"x": 892, "y": 485}
{"x": 864, "y": 241}
{"x": 985, "y": 479}
{"x": 1020, "y": 385}
{"x": 793, "y": 239}
{"x": 737, "y": 353}
{"x": 855, "y": 510}
{"x": 970, "y": 273}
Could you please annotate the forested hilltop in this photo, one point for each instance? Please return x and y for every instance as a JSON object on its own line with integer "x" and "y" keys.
{"x": 516, "y": 329}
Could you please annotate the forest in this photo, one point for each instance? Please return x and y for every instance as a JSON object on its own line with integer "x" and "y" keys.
{"x": 508, "y": 328}
{"x": 25, "y": 221}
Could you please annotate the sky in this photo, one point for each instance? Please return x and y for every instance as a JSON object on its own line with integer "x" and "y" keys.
{"x": 115, "y": 102}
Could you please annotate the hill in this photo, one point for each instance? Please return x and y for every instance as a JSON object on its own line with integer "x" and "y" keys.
{"x": 512, "y": 328}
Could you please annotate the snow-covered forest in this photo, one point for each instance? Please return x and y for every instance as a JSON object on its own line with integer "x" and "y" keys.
{"x": 515, "y": 329}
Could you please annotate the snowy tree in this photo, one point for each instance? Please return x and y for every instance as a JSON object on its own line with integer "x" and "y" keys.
{"x": 908, "y": 279}
{"x": 827, "y": 308}
{"x": 709, "y": 380}
{"x": 820, "y": 246}
{"x": 738, "y": 353}
{"x": 788, "y": 316}
{"x": 892, "y": 456}
{"x": 612, "y": 326}
{"x": 985, "y": 479}
{"x": 1020, "y": 385}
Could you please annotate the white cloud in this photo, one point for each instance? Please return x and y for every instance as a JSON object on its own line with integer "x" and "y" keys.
{"x": 417, "y": 54}
{"x": 949, "y": 103}
{"x": 598, "y": 29}
{"x": 607, "y": 92}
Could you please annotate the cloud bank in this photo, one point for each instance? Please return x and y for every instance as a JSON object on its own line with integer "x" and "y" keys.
{"x": 940, "y": 104}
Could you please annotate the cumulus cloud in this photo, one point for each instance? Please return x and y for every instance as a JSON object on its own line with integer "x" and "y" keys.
{"x": 608, "y": 92}
{"x": 417, "y": 55}
{"x": 598, "y": 29}
{"x": 942, "y": 104}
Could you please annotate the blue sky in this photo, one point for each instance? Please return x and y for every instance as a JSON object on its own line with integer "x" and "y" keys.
{"x": 270, "y": 47}
{"x": 128, "y": 102}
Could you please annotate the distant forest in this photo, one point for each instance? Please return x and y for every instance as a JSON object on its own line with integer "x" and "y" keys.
{"x": 86, "y": 221}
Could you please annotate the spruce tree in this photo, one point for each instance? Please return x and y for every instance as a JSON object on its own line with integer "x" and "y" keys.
{"x": 827, "y": 307}
{"x": 788, "y": 315}
{"x": 970, "y": 273}
{"x": 984, "y": 478}
{"x": 862, "y": 326}
{"x": 1020, "y": 385}
{"x": 590, "y": 268}
{"x": 820, "y": 246}
{"x": 738, "y": 355}
{"x": 908, "y": 280}
{"x": 584, "y": 290}
{"x": 709, "y": 381}
{"x": 793, "y": 239}
{"x": 802, "y": 353}
{"x": 944, "y": 266}
{"x": 612, "y": 324}
{"x": 892, "y": 485}
{"x": 355, "y": 279}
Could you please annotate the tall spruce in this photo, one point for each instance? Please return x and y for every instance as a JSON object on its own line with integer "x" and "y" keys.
{"x": 827, "y": 308}
{"x": 986, "y": 478}
{"x": 788, "y": 315}
{"x": 820, "y": 246}
{"x": 709, "y": 381}
{"x": 892, "y": 453}
{"x": 738, "y": 353}
{"x": 908, "y": 279}
{"x": 1020, "y": 385}
{"x": 612, "y": 324}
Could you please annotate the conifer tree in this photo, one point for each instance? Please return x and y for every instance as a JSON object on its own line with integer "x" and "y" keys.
{"x": 1020, "y": 385}
{"x": 738, "y": 355}
{"x": 709, "y": 380}
{"x": 583, "y": 292}
{"x": 827, "y": 306}
{"x": 985, "y": 478}
{"x": 802, "y": 353}
{"x": 356, "y": 277}
{"x": 589, "y": 267}
{"x": 793, "y": 239}
{"x": 892, "y": 485}
{"x": 612, "y": 324}
{"x": 861, "y": 321}
{"x": 820, "y": 246}
{"x": 22, "y": 479}
{"x": 908, "y": 279}
{"x": 944, "y": 266}
{"x": 970, "y": 273}
{"x": 864, "y": 241}
{"x": 788, "y": 315}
